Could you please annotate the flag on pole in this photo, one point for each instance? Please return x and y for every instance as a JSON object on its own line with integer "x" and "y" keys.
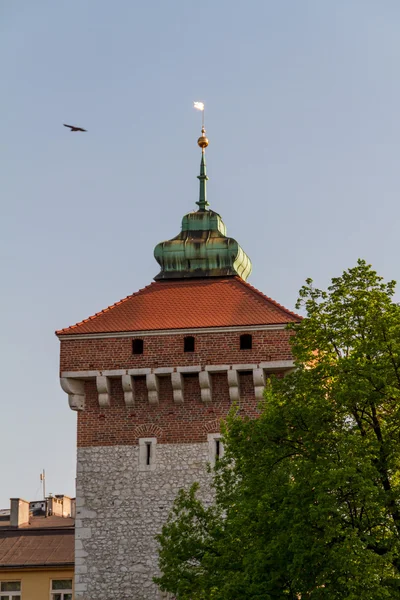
{"x": 198, "y": 105}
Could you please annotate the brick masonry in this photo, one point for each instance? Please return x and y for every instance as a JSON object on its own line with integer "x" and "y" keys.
{"x": 167, "y": 351}
{"x": 171, "y": 423}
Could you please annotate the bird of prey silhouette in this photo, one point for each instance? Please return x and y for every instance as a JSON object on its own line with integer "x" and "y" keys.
{"x": 74, "y": 128}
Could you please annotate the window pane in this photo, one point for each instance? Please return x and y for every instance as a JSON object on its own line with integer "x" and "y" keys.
{"x": 10, "y": 586}
{"x": 4, "y": 597}
{"x": 16, "y": 597}
{"x": 61, "y": 584}
{"x": 56, "y": 597}
{"x": 67, "y": 596}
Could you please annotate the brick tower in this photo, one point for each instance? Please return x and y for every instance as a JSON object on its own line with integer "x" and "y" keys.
{"x": 150, "y": 378}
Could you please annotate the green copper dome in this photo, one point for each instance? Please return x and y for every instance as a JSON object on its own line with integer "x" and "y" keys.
{"x": 202, "y": 249}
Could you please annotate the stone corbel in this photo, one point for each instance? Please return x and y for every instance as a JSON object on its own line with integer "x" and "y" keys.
{"x": 177, "y": 387}
{"x": 104, "y": 390}
{"x": 75, "y": 388}
{"x": 233, "y": 382}
{"x": 152, "y": 388}
{"x": 128, "y": 385}
{"x": 205, "y": 386}
{"x": 259, "y": 383}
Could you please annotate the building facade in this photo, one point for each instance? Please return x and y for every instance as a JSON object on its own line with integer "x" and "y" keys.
{"x": 36, "y": 555}
{"x": 151, "y": 377}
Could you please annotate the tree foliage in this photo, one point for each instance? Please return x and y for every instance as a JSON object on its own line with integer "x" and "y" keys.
{"x": 307, "y": 496}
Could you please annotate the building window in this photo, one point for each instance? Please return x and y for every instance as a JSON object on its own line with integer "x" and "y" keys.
{"x": 137, "y": 346}
{"x": 10, "y": 590}
{"x": 218, "y": 448}
{"x": 61, "y": 589}
{"x": 188, "y": 344}
{"x": 215, "y": 447}
{"x": 147, "y": 454}
{"x": 246, "y": 341}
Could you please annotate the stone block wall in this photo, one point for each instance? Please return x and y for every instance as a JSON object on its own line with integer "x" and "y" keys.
{"x": 119, "y": 511}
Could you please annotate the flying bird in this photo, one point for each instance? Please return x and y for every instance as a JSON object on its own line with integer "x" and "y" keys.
{"x": 74, "y": 128}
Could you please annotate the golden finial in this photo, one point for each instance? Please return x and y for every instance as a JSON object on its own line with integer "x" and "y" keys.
{"x": 203, "y": 140}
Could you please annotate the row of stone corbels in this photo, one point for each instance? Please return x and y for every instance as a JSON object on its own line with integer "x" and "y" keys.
{"x": 73, "y": 383}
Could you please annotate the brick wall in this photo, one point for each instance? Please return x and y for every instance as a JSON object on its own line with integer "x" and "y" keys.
{"x": 171, "y": 423}
{"x": 167, "y": 351}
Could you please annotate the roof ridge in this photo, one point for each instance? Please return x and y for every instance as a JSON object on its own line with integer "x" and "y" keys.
{"x": 98, "y": 314}
{"x": 50, "y": 529}
{"x": 259, "y": 295}
{"x": 190, "y": 280}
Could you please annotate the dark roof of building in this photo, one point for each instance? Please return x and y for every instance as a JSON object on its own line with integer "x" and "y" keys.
{"x": 191, "y": 303}
{"x": 34, "y": 546}
{"x": 41, "y": 522}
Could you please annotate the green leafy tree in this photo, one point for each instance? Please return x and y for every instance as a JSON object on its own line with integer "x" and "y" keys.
{"x": 307, "y": 496}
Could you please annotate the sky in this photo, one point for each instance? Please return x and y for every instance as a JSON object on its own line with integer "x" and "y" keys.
{"x": 302, "y": 113}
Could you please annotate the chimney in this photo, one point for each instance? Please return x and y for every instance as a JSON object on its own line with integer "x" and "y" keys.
{"x": 65, "y": 509}
{"x": 19, "y": 514}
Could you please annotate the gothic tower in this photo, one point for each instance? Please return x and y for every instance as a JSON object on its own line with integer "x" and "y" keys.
{"x": 151, "y": 377}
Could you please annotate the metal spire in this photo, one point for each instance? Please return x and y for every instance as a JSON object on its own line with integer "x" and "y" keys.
{"x": 203, "y": 143}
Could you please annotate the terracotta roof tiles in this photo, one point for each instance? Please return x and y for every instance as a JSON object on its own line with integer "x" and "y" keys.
{"x": 188, "y": 303}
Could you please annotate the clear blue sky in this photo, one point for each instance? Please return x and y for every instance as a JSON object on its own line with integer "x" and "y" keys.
{"x": 303, "y": 103}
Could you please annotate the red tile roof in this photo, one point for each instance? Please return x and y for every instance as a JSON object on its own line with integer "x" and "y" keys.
{"x": 36, "y": 547}
{"x": 188, "y": 303}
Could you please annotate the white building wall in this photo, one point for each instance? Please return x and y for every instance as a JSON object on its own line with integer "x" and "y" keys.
{"x": 120, "y": 507}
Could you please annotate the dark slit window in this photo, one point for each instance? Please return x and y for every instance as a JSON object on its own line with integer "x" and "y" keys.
{"x": 148, "y": 453}
{"x": 246, "y": 341}
{"x": 137, "y": 346}
{"x": 217, "y": 449}
{"x": 188, "y": 344}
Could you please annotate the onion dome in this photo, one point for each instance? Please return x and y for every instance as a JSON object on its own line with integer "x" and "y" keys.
{"x": 202, "y": 249}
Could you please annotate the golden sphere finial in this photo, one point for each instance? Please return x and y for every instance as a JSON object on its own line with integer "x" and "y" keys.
{"x": 203, "y": 140}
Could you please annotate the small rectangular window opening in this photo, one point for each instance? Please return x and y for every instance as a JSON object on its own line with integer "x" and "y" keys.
{"x": 137, "y": 346}
{"x": 148, "y": 453}
{"x": 188, "y": 344}
{"x": 246, "y": 341}
{"x": 217, "y": 449}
